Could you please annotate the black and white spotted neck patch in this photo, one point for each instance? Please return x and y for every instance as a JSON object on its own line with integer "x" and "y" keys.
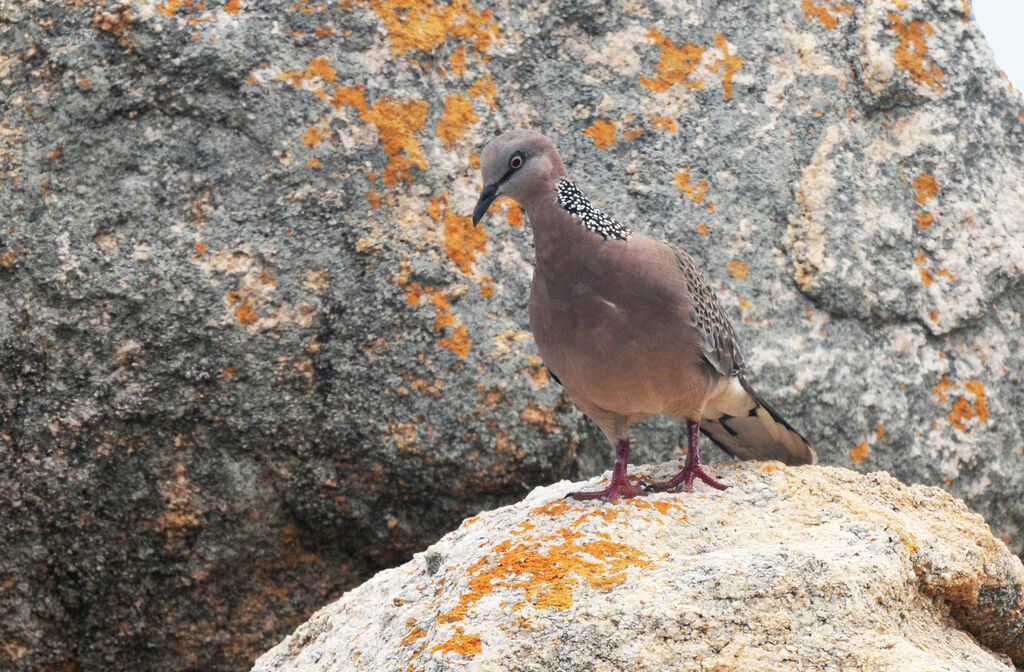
{"x": 574, "y": 202}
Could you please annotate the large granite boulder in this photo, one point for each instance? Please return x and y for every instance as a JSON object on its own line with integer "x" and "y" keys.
{"x": 252, "y": 349}
{"x": 789, "y": 569}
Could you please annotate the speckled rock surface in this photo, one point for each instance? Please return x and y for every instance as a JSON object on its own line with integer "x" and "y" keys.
{"x": 252, "y": 349}
{"x": 790, "y": 568}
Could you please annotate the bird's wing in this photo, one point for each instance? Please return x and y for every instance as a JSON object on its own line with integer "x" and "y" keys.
{"x": 719, "y": 344}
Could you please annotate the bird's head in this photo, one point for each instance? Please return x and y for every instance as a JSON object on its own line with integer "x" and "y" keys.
{"x": 519, "y": 164}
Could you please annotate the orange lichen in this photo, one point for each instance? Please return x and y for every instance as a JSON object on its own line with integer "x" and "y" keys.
{"x": 664, "y": 123}
{"x": 462, "y": 239}
{"x": 603, "y": 132}
{"x": 945, "y": 274}
{"x": 910, "y": 53}
{"x": 115, "y": 22}
{"x": 514, "y": 215}
{"x": 535, "y": 414}
{"x": 879, "y": 430}
{"x": 373, "y": 197}
{"x": 458, "y": 115}
{"x": 231, "y": 7}
{"x": 200, "y": 247}
{"x": 458, "y": 342}
{"x": 859, "y": 452}
{"x": 678, "y": 62}
{"x": 737, "y": 269}
{"x": 925, "y": 186}
{"x": 702, "y": 230}
{"x": 318, "y": 67}
{"x": 483, "y": 87}
{"x": 675, "y": 65}
{"x": 245, "y": 314}
{"x": 694, "y": 191}
{"x": 629, "y": 135}
{"x": 396, "y": 121}
{"x": 926, "y": 276}
{"x": 728, "y": 63}
{"x": 964, "y": 410}
{"x": 547, "y": 572}
{"x": 312, "y": 136}
{"x": 466, "y": 645}
{"x": 350, "y": 95}
{"x": 826, "y": 17}
{"x": 458, "y": 60}
{"x": 925, "y": 219}
{"x": 424, "y": 24}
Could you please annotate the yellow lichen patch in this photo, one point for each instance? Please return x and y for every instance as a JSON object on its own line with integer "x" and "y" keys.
{"x": 114, "y": 22}
{"x": 466, "y": 645}
{"x": 925, "y": 186}
{"x": 484, "y": 88}
{"x": 424, "y": 24}
{"x": 514, "y": 215}
{"x": 414, "y": 632}
{"x": 911, "y": 52}
{"x": 943, "y": 386}
{"x": 676, "y": 64}
{"x": 823, "y": 13}
{"x": 458, "y": 342}
{"x": 544, "y": 418}
{"x": 462, "y": 239}
{"x": 727, "y": 63}
{"x": 312, "y": 136}
{"x": 317, "y": 68}
{"x": 603, "y": 132}
{"x": 859, "y": 452}
{"x": 458, "y": 60}
{"x": 547, "y": 571}
{"x": 350, "y": 95}
{"x": 664, "y": 123}
{"x": 554, "y": 508}
{"x": 396, "y": 121}
{"x": 458, "y": 115}
{"x": 737, "y": 269}
{"x": 925, "y": 219}
{"x": 695, "y": 191}
{"x": 964, "y": 410}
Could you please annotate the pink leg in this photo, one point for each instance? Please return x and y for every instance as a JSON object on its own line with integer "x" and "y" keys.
{"x": 691, "y": 470}
{"x": 620, "y": 485}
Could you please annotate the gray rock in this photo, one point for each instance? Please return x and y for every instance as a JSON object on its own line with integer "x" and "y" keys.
{"x": 252, "y": 351}
{"x": 790, "y": 568}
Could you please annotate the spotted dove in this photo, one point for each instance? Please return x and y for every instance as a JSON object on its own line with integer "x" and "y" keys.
{"x": 628, "y": 324}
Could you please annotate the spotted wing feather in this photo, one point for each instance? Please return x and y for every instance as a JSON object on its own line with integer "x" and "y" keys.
{"x": 719, "y": 344}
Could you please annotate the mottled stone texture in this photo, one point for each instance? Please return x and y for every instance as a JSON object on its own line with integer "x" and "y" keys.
{"x": 811, "y": 568}
{"x": 252, "y": 349}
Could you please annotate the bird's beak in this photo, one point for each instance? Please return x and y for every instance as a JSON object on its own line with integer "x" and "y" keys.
{"x": 487, "y": 196}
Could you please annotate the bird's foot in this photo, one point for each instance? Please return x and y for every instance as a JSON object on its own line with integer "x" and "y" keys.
{"x": 685, "y": 478}
{"x": 618, "y": 488}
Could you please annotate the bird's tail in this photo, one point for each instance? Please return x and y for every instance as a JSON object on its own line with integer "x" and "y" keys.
{"x": 743, "y": 425}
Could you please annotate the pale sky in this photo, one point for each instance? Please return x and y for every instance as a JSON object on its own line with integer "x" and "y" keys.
{"x": 1002, "y": 21}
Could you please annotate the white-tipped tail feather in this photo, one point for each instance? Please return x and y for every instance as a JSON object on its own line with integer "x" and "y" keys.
{"x": 743, "y": 425}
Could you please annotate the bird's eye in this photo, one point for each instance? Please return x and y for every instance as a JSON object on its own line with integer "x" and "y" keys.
{"x": 515, "y": 162}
